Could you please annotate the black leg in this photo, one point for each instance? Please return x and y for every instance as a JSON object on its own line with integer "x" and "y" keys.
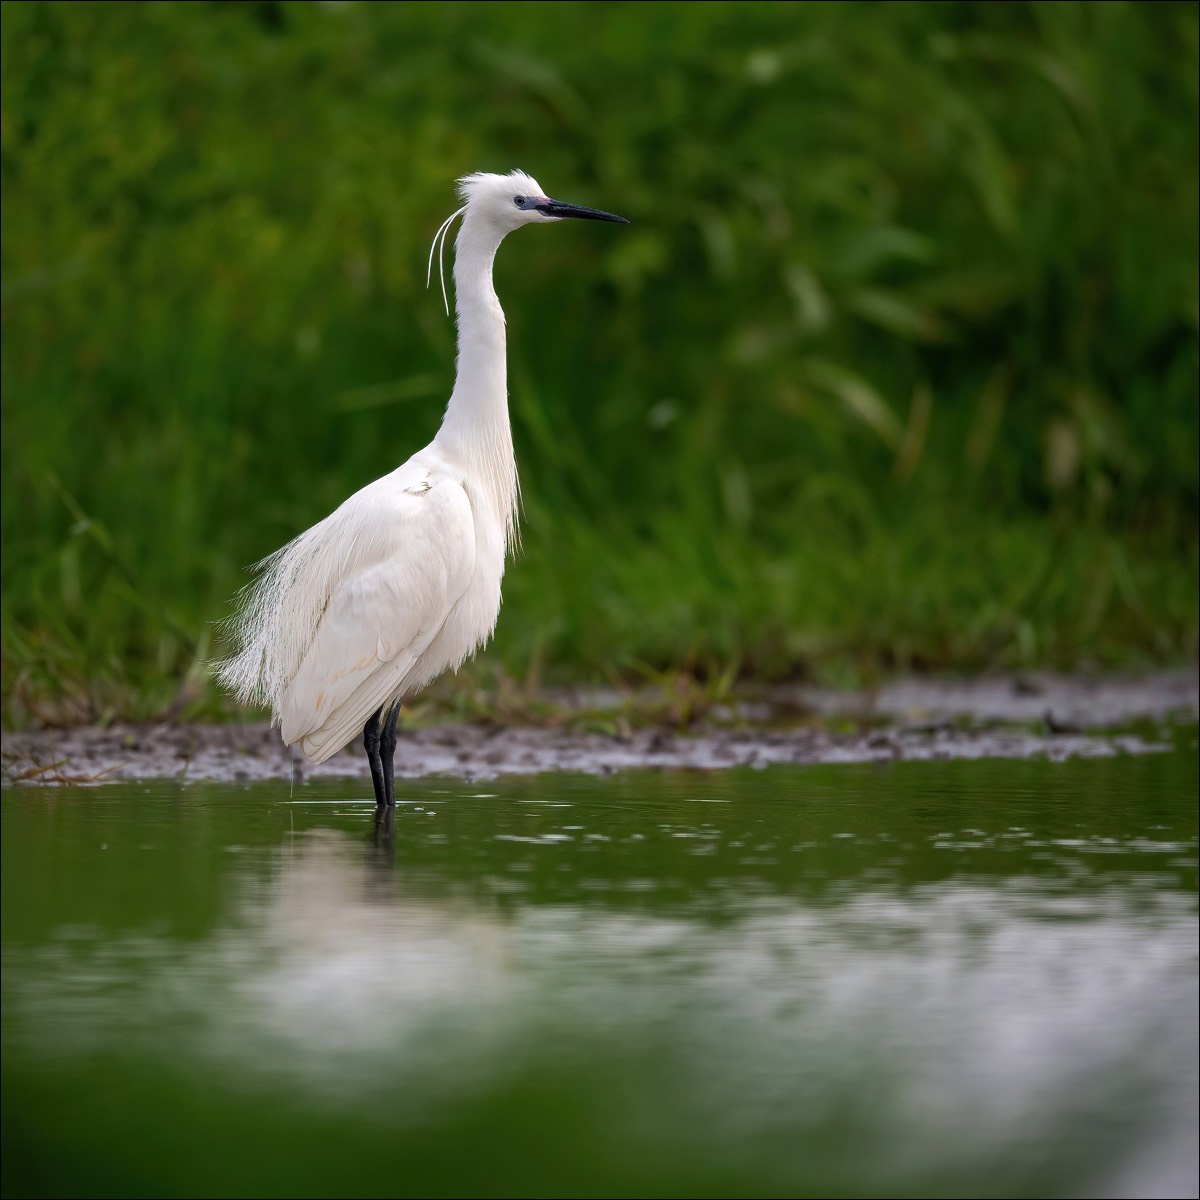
{"x": 372, "y": 737}
{"x": 387, "y": 751}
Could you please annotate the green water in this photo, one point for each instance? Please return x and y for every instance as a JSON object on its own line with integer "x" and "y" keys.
{"x": 930, "y": 979}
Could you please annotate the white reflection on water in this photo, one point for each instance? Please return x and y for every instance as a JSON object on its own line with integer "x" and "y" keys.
{"x": 967, "y": 1018}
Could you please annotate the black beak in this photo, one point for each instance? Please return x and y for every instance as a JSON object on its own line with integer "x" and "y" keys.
{"x": 557, "y": 208}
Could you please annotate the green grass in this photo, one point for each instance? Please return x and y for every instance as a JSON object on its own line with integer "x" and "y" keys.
{"x": 896, "y": 367}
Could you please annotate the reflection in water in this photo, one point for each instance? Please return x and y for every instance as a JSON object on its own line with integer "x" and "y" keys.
{"x": 966, "y": 1018}
{"x": 384, "y": 835}
{"x": 937, "y": 980}
{"x": 351, "y": 973}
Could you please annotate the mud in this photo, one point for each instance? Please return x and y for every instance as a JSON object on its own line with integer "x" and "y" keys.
{"x": 1005, "y": 717}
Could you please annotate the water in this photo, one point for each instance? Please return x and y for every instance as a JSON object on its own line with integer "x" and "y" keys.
{"x": 949, "y": 979}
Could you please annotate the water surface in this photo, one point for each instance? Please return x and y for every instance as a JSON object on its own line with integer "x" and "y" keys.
{"x": 974, "y": 978}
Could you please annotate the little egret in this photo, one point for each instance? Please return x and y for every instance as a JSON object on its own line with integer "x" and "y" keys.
{"x": 402, "y": 581}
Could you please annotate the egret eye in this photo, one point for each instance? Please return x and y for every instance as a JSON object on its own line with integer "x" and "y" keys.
{"x": 519, "y": 201}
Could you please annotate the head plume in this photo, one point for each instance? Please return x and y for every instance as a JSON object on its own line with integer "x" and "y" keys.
{"x": 484, "y": 183}
{"x": 476, "y": 187}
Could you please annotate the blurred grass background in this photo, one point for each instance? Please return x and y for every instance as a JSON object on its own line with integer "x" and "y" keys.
{"x": 896, "y": 367}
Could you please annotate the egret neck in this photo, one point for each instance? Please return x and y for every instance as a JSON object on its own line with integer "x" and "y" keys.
{"x": 475, "y": 431}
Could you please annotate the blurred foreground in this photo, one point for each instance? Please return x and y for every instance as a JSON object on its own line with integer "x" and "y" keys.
{"x": 925, "y": 979}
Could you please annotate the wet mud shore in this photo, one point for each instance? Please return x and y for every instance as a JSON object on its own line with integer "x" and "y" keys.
{"x": 598, "y": 732}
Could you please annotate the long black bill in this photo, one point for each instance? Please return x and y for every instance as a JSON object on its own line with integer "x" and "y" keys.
{"x": 557, "y": 208}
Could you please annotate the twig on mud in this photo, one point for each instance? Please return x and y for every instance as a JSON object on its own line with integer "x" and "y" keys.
{"x": 32, "y": 772}
{"x": 42, "y": 774}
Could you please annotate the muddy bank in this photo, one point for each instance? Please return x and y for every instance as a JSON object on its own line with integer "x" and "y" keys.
{"x": 1007, "y": 717}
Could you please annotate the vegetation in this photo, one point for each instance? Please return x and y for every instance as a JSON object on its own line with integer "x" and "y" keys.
{"x": 896, "y": 367}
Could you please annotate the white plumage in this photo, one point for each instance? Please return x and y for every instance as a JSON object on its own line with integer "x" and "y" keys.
{"x": 402, "y": 581}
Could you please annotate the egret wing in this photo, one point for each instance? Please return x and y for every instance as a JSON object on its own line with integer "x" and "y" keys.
{"x": 347, "y": 720}
{"x": 381, "y": 617}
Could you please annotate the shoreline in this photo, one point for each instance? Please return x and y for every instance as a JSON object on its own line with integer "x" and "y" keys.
{"x": 596, "y": 731}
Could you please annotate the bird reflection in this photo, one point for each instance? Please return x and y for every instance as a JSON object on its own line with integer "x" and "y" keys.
{"x": 383, "y": 837}
{"x": 342, "y": 909}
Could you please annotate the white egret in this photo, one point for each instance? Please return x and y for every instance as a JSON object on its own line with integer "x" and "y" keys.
{"x": 402, "y": 581}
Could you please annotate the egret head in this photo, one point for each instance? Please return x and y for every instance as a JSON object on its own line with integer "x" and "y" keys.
{"x": 509, "y": 201}
{"x": 495, "y": 205}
